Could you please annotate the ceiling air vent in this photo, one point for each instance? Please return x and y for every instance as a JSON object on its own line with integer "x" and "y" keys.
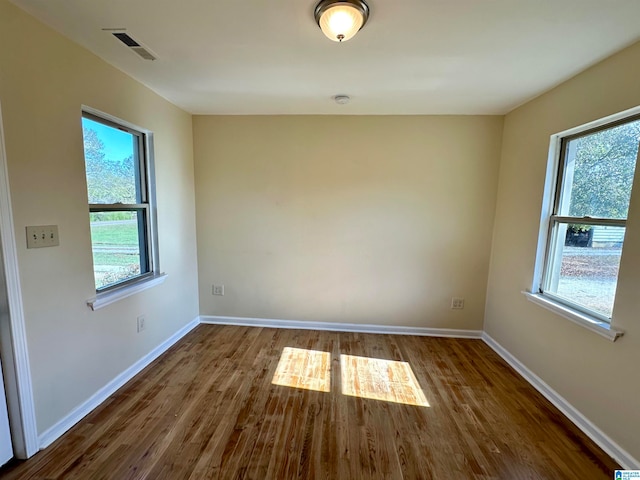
{"x": 133, "y": 45}
{"x": 144, "y": 53}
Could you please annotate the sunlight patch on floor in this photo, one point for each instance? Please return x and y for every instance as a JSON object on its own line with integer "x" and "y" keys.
{"x": 306, "y": 369}
{"x": 379, "y": 379}
{"x": 364, "y": 377}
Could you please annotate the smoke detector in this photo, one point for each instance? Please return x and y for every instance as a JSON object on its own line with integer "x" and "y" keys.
{"x": 342, "y": 99}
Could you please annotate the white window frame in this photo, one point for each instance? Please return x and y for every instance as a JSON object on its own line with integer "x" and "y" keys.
{"x": 112, "y": 293}
{"x": 552, "y": 196}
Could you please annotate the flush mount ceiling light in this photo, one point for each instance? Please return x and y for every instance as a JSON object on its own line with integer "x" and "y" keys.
{"x": 340, "y": 20}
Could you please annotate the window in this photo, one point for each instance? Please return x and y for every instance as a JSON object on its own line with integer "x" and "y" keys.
{"x": 118, "y": 167}
{"x": 588, "y": 217}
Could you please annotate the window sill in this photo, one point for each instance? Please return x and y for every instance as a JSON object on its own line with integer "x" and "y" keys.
{"x": 584, "y": 320}
{"x": 107, "y": 298}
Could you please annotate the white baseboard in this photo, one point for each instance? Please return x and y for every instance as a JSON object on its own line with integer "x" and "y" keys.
{"x": 583, "y": 423}
{"x": 340, "y": 327}
{"x": 593, "y": 432}
{"x": 78, "y": 413}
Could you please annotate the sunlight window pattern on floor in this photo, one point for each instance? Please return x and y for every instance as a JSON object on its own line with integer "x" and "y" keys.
{"x": 380, "y": 379}
{"x": 306, "y": 369}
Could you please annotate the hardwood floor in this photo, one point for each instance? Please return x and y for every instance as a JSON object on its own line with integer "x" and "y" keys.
{"x": 208, "y": 409}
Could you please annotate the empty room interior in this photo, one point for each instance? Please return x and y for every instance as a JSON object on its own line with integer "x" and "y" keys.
{"x": 335, "y": 239}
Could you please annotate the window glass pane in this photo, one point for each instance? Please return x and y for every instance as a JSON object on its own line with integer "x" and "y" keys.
{"x": 111, "y": 158}
{"x": 599, "y": 170}
{"x": 585, "y": 265}
{"x": 116, "y": 239}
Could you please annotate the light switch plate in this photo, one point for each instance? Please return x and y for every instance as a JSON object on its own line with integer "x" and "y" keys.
{"x": 42, "y": 236}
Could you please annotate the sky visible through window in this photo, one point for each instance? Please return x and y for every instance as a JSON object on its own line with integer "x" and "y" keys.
{"x": 117, "y": 144}
{"x": 111, "y": 163}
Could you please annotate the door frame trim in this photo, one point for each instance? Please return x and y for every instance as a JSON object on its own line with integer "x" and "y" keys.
{"x": 17, "y": 372}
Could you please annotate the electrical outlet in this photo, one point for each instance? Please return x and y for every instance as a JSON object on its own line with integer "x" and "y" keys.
{"x": 42, "y": 236}
{"x": 141, "y": 323}
{"x": 457, "y": 303}
{"x": 218, "y": 290}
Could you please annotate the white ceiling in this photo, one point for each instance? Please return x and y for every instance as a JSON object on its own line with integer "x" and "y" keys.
{"x": 412, "y": 57}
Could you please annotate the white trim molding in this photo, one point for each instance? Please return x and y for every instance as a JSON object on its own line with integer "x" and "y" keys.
{"x": 593, "y": 432}
{"x": 590, "y": 323}
{"x": 22, "y": 411}
{"x": 78, "y": 413}
{"x": 583, "y": 423}
{"x": 107, "y": 298}
{"x": 340, "y": 327}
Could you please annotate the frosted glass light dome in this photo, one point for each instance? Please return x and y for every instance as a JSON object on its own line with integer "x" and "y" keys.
{"x": 340, "y": 20}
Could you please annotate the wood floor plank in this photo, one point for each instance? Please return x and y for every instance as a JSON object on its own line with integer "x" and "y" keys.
{"x": 209, "y": 408}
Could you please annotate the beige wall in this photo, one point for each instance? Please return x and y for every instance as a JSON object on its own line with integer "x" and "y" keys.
{"x": 598, "y": 377}
{"x": 44, "y": 80}
{"x": 376, "y": 220}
